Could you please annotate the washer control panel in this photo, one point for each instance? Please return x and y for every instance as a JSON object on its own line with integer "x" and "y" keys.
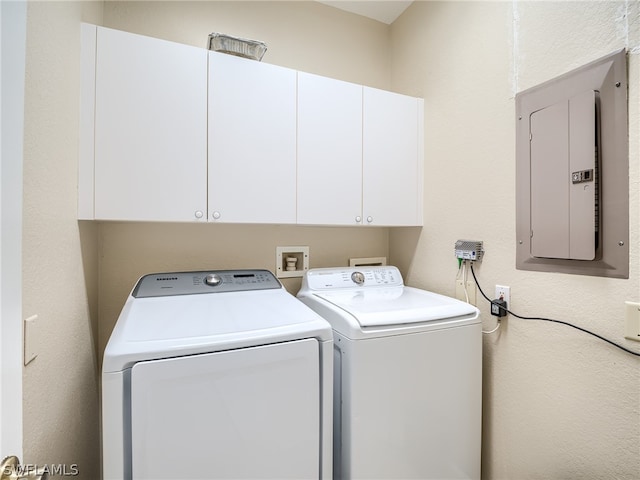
{"x": 352, "y": 277}
{"x": 215, "y": 281}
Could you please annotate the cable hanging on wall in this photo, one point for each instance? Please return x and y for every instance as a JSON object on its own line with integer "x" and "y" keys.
{"x": 521, "y": 317}
{"x": 462, "y": 275}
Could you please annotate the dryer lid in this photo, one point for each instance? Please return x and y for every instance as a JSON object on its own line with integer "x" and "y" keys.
{"x": 172, "y": 326}
{"x": 396, "y": 305}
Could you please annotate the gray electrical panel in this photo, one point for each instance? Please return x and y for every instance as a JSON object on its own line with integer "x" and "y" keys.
{"x": 572, "y": 200}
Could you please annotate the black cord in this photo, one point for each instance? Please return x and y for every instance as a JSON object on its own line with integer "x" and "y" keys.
{"x": 551, "y": 320}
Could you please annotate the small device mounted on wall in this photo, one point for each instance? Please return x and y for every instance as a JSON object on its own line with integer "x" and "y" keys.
{"x": 469, "y": 250}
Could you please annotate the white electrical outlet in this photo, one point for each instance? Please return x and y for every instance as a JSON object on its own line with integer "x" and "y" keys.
{"x": 503, "y": 292}
{"x": 632, "y": 315}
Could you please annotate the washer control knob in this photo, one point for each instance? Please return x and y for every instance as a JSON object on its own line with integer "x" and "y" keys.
{"x": 213, "y": 280}
{"x": 357, "y": 277}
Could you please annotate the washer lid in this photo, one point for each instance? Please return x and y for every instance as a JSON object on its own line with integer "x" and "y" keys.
{"x": 162, "y": 327}
{"x": 396, "y": 305}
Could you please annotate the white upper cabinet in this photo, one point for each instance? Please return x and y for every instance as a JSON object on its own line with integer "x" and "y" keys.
{"x": 329, "y": 151}
{"x": 176, "y": 133}
{"x": 150, "y": 129}
{"x": 252, "y": 141}
{"x": 359, "y": 154}
{"x": 392, "y": 158}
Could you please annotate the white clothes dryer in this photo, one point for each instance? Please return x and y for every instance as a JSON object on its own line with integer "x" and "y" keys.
{"x": 407, "y": 376}
{"x": 217, "y": 375}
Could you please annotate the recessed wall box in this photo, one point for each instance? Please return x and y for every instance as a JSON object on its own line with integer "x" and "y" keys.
{"x": 572, "y": 200}
{"x": 368, "y": 262}
{"x": 291, "y": 261}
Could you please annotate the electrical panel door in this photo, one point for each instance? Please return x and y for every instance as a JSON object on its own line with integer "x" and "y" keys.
{"x": 572, "y": 172}
{"x": 564, "y": 183}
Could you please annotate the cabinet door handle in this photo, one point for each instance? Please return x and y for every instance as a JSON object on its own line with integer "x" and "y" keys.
{"x": 358, "y": 219}
{"x": 369, "y": 219}
{"x": 216, "y": 215}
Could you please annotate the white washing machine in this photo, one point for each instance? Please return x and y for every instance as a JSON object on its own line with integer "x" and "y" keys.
{"x": 217, "y": 375}
{"x": 407, "y": 376}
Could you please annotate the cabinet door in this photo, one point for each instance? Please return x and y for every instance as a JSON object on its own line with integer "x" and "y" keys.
{"x": 252, "y": 141}
{"x": 150, "y": 129}
{"x": 392, "y": 158}
{"x": 329, "y": 151}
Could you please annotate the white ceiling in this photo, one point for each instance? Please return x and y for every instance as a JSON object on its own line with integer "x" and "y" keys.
{"x": 385, "y": 11}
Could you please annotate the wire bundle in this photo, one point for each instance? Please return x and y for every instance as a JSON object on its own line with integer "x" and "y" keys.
{"x": 621, "y": 347}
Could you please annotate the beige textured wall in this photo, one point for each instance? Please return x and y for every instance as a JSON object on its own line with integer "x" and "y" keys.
{"x": 302, "y": 35}
{"x": 60, "y": 415}
{"x": 558, "y": 403}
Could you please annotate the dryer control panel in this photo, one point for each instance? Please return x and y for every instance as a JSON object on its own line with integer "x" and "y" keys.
{"x": 211, "y": 281}
{"x": 353, "y": 277}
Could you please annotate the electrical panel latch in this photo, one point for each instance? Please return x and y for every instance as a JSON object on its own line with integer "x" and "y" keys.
{"x": 582, "y": 176}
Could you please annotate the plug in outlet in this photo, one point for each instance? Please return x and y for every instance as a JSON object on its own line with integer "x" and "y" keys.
{"x": 503, "y": 293}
